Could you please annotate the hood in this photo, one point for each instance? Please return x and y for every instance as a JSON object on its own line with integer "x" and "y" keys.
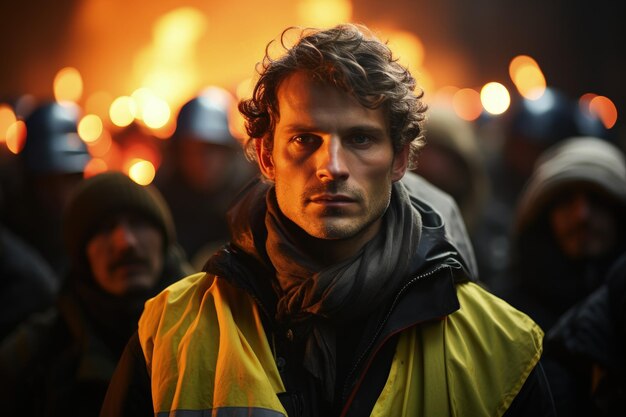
{"x": 587, "y": 161}
{"x": 439, "y": 211}
{"x": 448, "y": 132}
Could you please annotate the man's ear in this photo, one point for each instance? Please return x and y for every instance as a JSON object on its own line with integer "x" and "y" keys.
{"x": 400, "y": 163}
{"x": 264, "y": 157}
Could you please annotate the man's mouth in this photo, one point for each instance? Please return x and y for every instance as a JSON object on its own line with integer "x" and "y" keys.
{"x": 331, "y": 199}
{"x": 129, "y": 264}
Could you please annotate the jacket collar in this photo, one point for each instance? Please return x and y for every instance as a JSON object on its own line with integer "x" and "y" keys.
{"x": 245, "y": 263}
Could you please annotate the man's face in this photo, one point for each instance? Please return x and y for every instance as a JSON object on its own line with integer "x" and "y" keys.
{"x": 205, "y": 166}
{"x": 126, "y": 254}
{"x": 332, "y": 162}
{"x": 584, "y": 224}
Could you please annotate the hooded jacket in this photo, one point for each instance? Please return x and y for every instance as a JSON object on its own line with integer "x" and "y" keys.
{"x": 545, "y": 283}
{"x": 211, "y": 343}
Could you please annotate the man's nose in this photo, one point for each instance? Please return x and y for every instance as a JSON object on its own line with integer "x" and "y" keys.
{"x": 332, "y": 164}
{"x": 123, "y": 235}
{"x": 580, "y": 205}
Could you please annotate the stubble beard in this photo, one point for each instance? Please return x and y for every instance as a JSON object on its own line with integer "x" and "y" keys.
{"x": 337, "y": 223}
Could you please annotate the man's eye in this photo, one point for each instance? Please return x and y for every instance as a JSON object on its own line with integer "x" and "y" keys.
{"x": 106, "y": 226}
{"x": 305, "y": 139}
{"x": 361, "y": 140}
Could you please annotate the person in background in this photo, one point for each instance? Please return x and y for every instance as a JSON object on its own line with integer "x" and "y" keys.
{"x": 27, "y": 283}
{"x": 121, "y": 242}
{"x": 52, "y": 163}
{"x": 569, "y": 227}
{"x": 511, "y": 149}
{"x": 532, "y": 126}
{"x": 584, "y": 358}
{"x": 453, "y": 161}
{"x": 203, "y": 171}
{"x": 347, "y": 287}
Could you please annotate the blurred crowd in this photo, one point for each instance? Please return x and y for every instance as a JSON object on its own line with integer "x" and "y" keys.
{"x": 542, "y": 192}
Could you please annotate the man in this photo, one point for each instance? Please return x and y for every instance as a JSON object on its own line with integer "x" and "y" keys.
{"x": 120, "y": 239}
{"x": 27, "y": 283}
{"x": 52, "y": 164}
{"x": 569, "y": 227}
{"x": 527, "y": 129}
{"x": 340, "y": 292}
{"x": 584, "y": 356}
{"x": 203, "y": 171}
{"x": 453, "y": 162}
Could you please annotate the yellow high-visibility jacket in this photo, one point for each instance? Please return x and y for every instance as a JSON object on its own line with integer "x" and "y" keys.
{"x": 207, "y": 353}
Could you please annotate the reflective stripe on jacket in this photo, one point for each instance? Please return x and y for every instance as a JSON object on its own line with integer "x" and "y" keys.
{"x": 208, "y": 354}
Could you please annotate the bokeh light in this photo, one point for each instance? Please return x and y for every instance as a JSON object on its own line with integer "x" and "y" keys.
{"x": 466, "y": 104}
{"x": 527, "y": 77}
{"x": 583, "y": 104}
{"x": 605, "y": 109}
{"x": 16, "y": 136}
{"x": 90, "y": 128}
{"x": 495, "y": 98}
{"x": 122, "y": 111}
{"x": 7, "y": 118}
{"x": 68, "y": 85}
{"x": 95, "y": 166}
{"x": 584, "y": 100}
{"x": 152, "y": 110}
{"x": 156, "y": 113}
{"x": 141, "y": 97}
{"x": 141, "y": 171}
{"x": 520, "y": 62}
{"x": 175, "y": 55}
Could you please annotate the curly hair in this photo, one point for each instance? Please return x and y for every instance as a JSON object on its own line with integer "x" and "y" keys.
{"x": 351, "y": 58}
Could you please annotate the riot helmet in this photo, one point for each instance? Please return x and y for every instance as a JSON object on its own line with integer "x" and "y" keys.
{"x": 552, "y": 118}
{"x": 206, "y": 118}
{"x": 52, "y": 142}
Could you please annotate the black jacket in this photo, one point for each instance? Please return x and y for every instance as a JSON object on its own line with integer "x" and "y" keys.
{"x": 55, "y": 364}
{"x": 27, "y": 283}
{"x": 584, "y": 353}
{"x": 59, "y": 363}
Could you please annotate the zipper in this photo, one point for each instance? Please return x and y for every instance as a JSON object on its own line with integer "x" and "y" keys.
{"x": 379, "y": 329}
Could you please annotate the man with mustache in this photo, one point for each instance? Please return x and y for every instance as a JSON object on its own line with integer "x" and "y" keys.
{"x": 120, "y": 238}
{"x": 347, "y": 287}
{"x": 569, "y": 227}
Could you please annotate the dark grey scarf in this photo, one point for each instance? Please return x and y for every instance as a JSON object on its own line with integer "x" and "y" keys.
{"x": 341, "y": 293}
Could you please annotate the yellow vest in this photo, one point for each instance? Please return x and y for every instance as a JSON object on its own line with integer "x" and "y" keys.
{"x": 207, "y": 352}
